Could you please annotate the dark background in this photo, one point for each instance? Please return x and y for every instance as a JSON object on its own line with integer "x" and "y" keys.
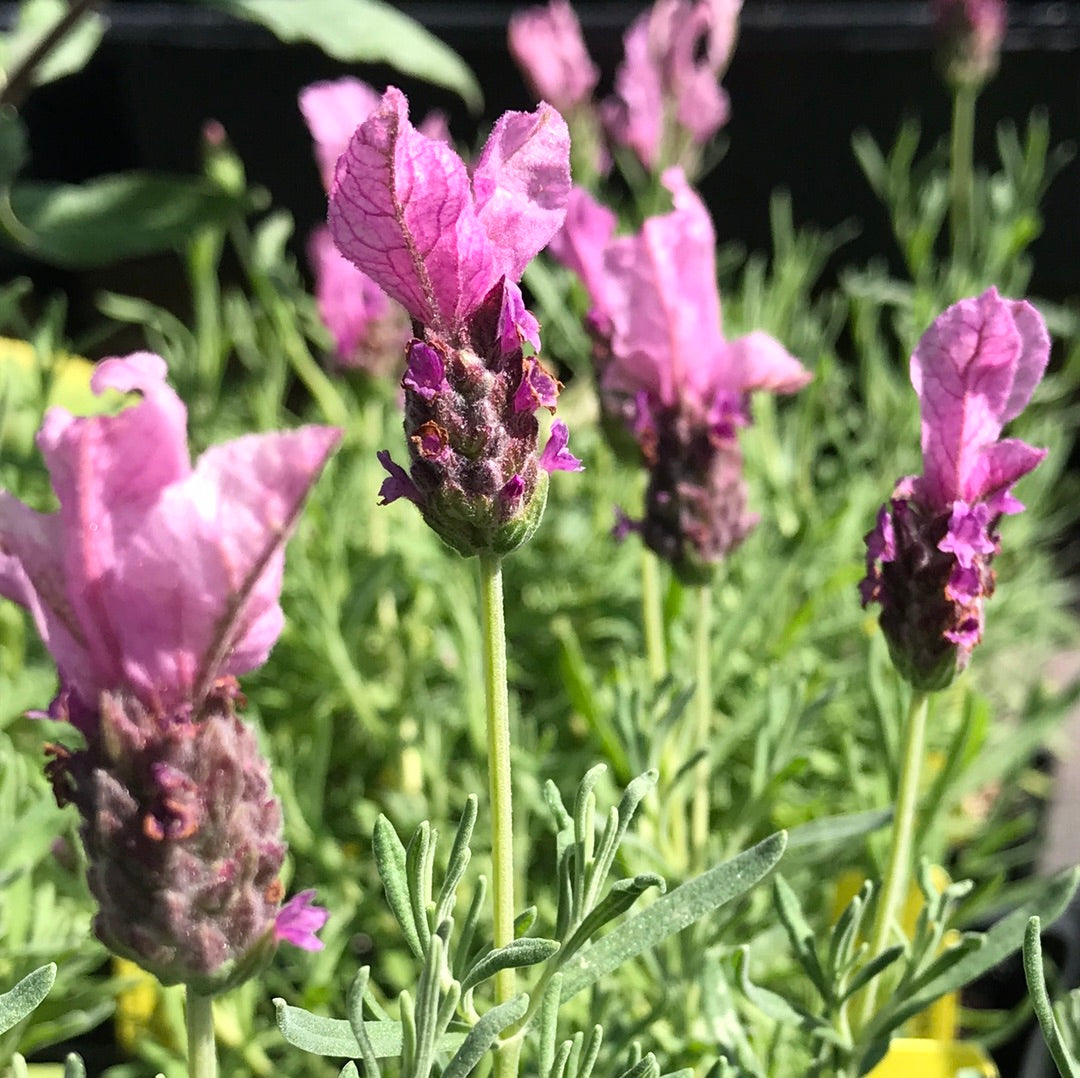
{"x": 804, "y": 76}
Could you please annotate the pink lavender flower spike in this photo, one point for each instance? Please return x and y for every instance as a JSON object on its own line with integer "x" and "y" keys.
{"x": 153, "y": 586}
{"x": 451, "y": 248}
{"x": 668, "y": 376}
{"x": 969, "y": 36}
{"x": 298, "y": 921}
{"x": 929, "y": 558}
{"x": 547, "y": 46}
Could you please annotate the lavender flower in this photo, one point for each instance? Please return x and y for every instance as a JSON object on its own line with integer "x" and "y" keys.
{"x": 450, "y": 248}
{"x": 969, "y": 34}
{"x": 668, "y": 101}
{"x": 547, "y": 45}
{"x": 667, "y": 372}
{"x": 153, "y": 586}
{"x": 928, "y": 557}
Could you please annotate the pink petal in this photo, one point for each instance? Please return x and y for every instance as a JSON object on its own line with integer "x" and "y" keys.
{"x": 999, "y": 466}
{"x": 556, "y": 457}
{"x": 634, "y": 116}
{"x": 401, "y": 210}
{"x": 963, "y": 370}
{"x": 1034, "y": 355}
{"x": 348, "y": 300}
{"x": 298, "y": 921}
{"x": 333, "y": 111}
{"x": 580, "y": 243}
{"x": 521, "y": 184}
{"x": 517, "y": 324}
{"x": 758, "y": 361}
{"x": 547, "y": 45}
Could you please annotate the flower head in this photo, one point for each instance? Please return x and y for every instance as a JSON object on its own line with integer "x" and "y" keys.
{"x": 969, "y": 34}
{"x": 668, "y": 101}
{"x": 667, "y": 371}
{"x": 929, "y": 556}
{"x": 152, "y": 586}
{"x": 547, "y": 45}
{"x": 450, "y": 248}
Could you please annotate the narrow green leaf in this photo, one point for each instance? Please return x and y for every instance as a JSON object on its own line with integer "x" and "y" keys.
{"x": 367, "y": 31}
{"x": 114, "y": 217}
{"x": 482, "y": 1036}
{"x": 1040, "y": 1001}
{"x": 771, "y": 1004}
{"x": 526, "y": 951}
{"x": 646, "y": 1068}
{"x": 390, "y": 861}
{"x": 419, "y": 867}
{"x": 334, "y": 1036}
{"x": 592, "y": 1052}
{"x": 801, "y": 936}
{"x": 872, "y": 969}
{"x": 1001, "y": 941}
{"x": 349, "y": 1071}
{"x": 464, "y": 946}
{"x": 35, "y": 20}
{"x": 25, "y": 996}
{"x": 841, "y": 828}
{"x": 458, "y": 861}
{"x": 686, "y": 904}
{"x": 74, "y": 1066}
{"x": 354, "y": 1003}
{"x": 14, "y": 145}
{"x": 547, "y": 1028}
{"x": 621, "y": 896}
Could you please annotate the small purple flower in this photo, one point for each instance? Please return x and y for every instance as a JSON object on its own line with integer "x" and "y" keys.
{"x": 298, "y": 921}
{"x": 556, "y": 457}
{"x": 450, "y": 246}
{"x": 547, "y": 45}
{"x": 928, "y": 558}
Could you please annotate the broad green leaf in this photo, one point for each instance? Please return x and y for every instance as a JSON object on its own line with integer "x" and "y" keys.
{"x": 25, "y": 996}
{"x": 37, "y": 18}
{"x": 364, "y": 30}
{"x": 334, "y": 1036}
{"x": 390, "y": 859}
{"x": 114, "y": 217}
{"x": 686, "y": 904}
{"x": 482, "y": 1036}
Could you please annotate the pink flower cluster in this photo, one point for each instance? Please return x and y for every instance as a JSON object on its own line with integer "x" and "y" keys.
{"x": 152, "y": 586}
{"x": 668, "y": 101}
{"x": 667, "y": 370}
{"x": 928, "y": 558}
{"x": 450, "y": 247}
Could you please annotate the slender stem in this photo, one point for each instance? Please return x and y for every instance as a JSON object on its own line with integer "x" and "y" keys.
{"x": 202, "y": 1054}
{"x": 961, "y": 174}
{"x": 652, "y": 612}
{"x": 21, "y": 80}
{"x": 703, "y": 712}
{"x": 897, "y": 872}
{"x": 502, "y": 828}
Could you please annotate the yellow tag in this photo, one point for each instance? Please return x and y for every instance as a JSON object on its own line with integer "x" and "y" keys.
{"x": 918, "y": 1057}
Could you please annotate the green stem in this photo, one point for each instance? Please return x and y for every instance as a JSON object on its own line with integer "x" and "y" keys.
{"x": 703, "y": 711}
{"x": 961, "y": 175}
{"x": 652, "y": 613}
{"x": 202, "y": 1053}
{"x": 502, "y": 826}
{"x": 897, "y": 872}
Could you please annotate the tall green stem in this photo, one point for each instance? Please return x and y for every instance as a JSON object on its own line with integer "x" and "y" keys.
{"x": 502, "y": 827}
{"x": 898, "y": 870}
{"x": 703, "y": 711}
{"x": 961, "y": 174}
{"x": 202, "y": 1053}
{"x": 652, "y": 612}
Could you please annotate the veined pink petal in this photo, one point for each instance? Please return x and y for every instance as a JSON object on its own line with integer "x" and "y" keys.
{"x": 1034, "y": 356}
{"x": 401, "y": 210}
{"x": 999, "y": 466}
{"x": 333, "y": 110}
{"x": 195, "y": 587}
{"x": 965, "y": 371}
{"x": 634, "y": 116}
{"x": 521, "y": 184}
{"x": 759, "y": 361}
{"x": 547, "y": 45}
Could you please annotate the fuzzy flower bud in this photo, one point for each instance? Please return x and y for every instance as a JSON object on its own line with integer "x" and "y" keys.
{"x": 450, "y": 248}
{"x": 928, "y": 558}
{"x": 969, "y": 34}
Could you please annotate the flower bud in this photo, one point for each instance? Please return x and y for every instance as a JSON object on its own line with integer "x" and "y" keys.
{"x": 969, "y": 34}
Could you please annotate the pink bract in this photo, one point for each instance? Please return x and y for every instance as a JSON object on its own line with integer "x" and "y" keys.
{"x": 974, "y": 370}
{"x": 404, "y": 209}
{"x": 547, "y": 45}
{"x": 155, "y": 577}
